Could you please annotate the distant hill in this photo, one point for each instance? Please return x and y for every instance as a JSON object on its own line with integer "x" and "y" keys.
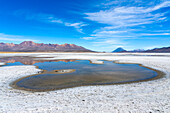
{"x": 30, "y": 46}
{"x": 159, "y": 50}
{"x": 155, "y": 50}
{"x": 119, "y": 50}
{"x": 138, "y": 50}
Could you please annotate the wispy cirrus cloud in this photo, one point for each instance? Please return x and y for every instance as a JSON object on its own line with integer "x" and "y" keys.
{"x": 126, "y": 22}
{"x": 6, "y": 37}
{"x": 128, "y": 16}
{"x": 110, "y": 41}
{"x": 88, "y": 38}
{"x": 78, "y": 26}
{"x": 109, "y": 34}
{"x": 49, "y": 18}
{"x": 155, "y": 34}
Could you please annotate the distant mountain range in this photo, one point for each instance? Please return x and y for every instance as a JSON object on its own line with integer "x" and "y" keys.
{"x": 160, "y": 50}
{"x": 155, "y": 50}
{"x": 30, "y": 46}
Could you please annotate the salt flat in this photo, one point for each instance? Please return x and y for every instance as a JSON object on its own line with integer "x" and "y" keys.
{"x": 151, "y": 96}
{"x": 1, "y": 63}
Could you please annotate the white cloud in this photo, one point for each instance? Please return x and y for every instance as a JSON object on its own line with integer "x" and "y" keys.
{"x": 88, "y": 38}
{"x": 56, "y": 21}
{"x": 128, "y": 16}
{"x": 77, "y": 26}
{"x": 112, "y": 32}
{"x": 155, "y": 34}
{"x": 120, "y": 21}
{"x": 162, "y": 5}
{"x": 49, "y": 18}
{"x": 5, "y": 37}
{"x": 52, "y": 19}
{"x": 109, "y": 33}
{"x": 109, "y": 43}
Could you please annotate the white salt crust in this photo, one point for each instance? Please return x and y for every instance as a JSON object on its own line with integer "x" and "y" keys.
{"x": 144, "y": 97}
{"x": 1, "y": 63}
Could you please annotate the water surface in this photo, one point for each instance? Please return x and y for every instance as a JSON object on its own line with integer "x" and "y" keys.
{"x": 85, "y": 73}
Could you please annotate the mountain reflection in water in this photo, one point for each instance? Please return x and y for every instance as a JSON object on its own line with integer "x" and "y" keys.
{"x": 30, "y": 60}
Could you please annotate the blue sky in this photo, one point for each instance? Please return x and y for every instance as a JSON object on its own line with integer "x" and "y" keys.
{"x": 100, "y": 25}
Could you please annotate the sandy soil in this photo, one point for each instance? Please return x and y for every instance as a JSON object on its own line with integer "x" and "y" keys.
{"x": 144, "y": 97}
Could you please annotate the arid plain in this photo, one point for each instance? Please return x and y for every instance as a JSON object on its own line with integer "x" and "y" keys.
{"x": 147, "y": 96}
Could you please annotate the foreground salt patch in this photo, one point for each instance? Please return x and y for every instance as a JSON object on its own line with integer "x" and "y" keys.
{"x": 152, "y": 96}
{"x": 96, "y": 62}
{"x": 1, "y": 63}
{"x": 10, "y": 73}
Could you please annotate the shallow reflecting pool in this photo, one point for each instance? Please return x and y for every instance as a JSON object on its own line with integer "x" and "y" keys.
{"x": 61, "y": 74}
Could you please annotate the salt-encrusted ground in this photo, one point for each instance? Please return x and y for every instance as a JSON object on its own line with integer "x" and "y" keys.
{"x": 144, "y": 97}
{"x": 1, "y": 63}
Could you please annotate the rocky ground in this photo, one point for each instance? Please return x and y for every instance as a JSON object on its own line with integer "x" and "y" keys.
{"x": 143, "y": 97}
